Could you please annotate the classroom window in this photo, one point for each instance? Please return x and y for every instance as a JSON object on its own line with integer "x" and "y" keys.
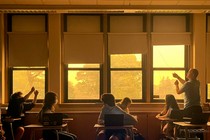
{"x": 23, "y": 78}
{"x": 83, "y": 82}
{"x": 167, "y": 59}
{"x": 27, "y": 53}
{"x": 126, "y": 76}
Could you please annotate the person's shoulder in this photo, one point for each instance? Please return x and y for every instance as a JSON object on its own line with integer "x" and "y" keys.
{"x": 193, "y": 82}
{"x": 22, "y": 99}
{"x": 187, "y": 83}
{"x": 117, "y": 107}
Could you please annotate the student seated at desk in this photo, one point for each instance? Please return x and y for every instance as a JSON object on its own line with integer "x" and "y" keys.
{"x": 124, "y": 104}
{"x": 16, "y": 109}
{"x": 109, "y": 107}
{"x": 50, "y": 101}
{"x": 170, "y": 104}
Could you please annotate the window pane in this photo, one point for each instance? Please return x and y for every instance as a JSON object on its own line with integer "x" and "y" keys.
{"x": 126, "y": 24}
{"x": 169, "y": 56}
{"x": 83, "y": 84}
{"x": 83, "y": 23}
{"x": 83, "y": 65}
{"x": 208, "y": 91}
{"x": 23, "y": 80}
{"x": 164, "y": 83}
{"x": 126, "y": 84}
{"x": 126, "y": 61}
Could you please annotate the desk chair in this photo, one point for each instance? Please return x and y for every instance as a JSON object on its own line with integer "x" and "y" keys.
{"x": 163, "y": 122}
{"x": 127, "y": 127}
{"x": 37, "y": 127}
{"x": 10, "y": 121}
{"x": 191, "y": 128}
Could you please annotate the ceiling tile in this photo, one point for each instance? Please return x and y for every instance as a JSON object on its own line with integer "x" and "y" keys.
{"x": 206, "y": 3}
{"x": 30, "y": 2}
{"x": 110, "y": 2}
{"x": 83, "y": 2}
{"x": 164, "y": 2}
{"x": 191, "y": 2}
{"x": 137, "y": 2}
{"x": 7, "y": 2}
{"x": 56, "y": 2}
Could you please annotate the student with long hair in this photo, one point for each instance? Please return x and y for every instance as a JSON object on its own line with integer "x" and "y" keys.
{"x": 170, "y": 104}
{"x": 50, "y": 102}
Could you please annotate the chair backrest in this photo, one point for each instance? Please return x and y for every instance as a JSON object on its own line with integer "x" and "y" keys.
{"x": 52, "y": 119}
{"x": 113, "y": 119}
{"x": 177, "y": 114}
{"x": 202, "y": 118}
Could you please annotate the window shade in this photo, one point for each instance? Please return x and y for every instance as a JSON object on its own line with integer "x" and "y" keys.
{"x": 171, "y": 38}
{"x": 27, "y": 49}
{"x": 127, "y": 43}
{"x": 83, "y": 48}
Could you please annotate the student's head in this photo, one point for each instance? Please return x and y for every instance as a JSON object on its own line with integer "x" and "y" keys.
{"x": 16, "y": 95}
{"x": 126, "y": 101}
{"x": 50, "y": 99}
{"x": 192, "y": 74}
{"x": 108, "y": 99}
{"x": 171, "y": 101}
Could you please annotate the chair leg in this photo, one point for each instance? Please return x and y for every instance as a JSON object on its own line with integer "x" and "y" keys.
{"x": 13, "y": 137}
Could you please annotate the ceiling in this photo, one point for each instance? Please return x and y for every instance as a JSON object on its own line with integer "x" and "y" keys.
{"x": 130, "y": 6}
{"x": 106, "y": 2}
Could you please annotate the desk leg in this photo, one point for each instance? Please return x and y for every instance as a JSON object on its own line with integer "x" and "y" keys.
{"x": 186, "y": 133}
{"x": 175, "y": 132}
{"x": 57, "y": 135}
{"x": 132, "y": 134}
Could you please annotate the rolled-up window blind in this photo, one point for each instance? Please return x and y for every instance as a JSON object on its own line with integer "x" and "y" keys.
{"x": 83, "y": 48}
{"x": 28, "y": 49}
{"x": 127, "y": 43}
{"x": 171, "y": 38}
